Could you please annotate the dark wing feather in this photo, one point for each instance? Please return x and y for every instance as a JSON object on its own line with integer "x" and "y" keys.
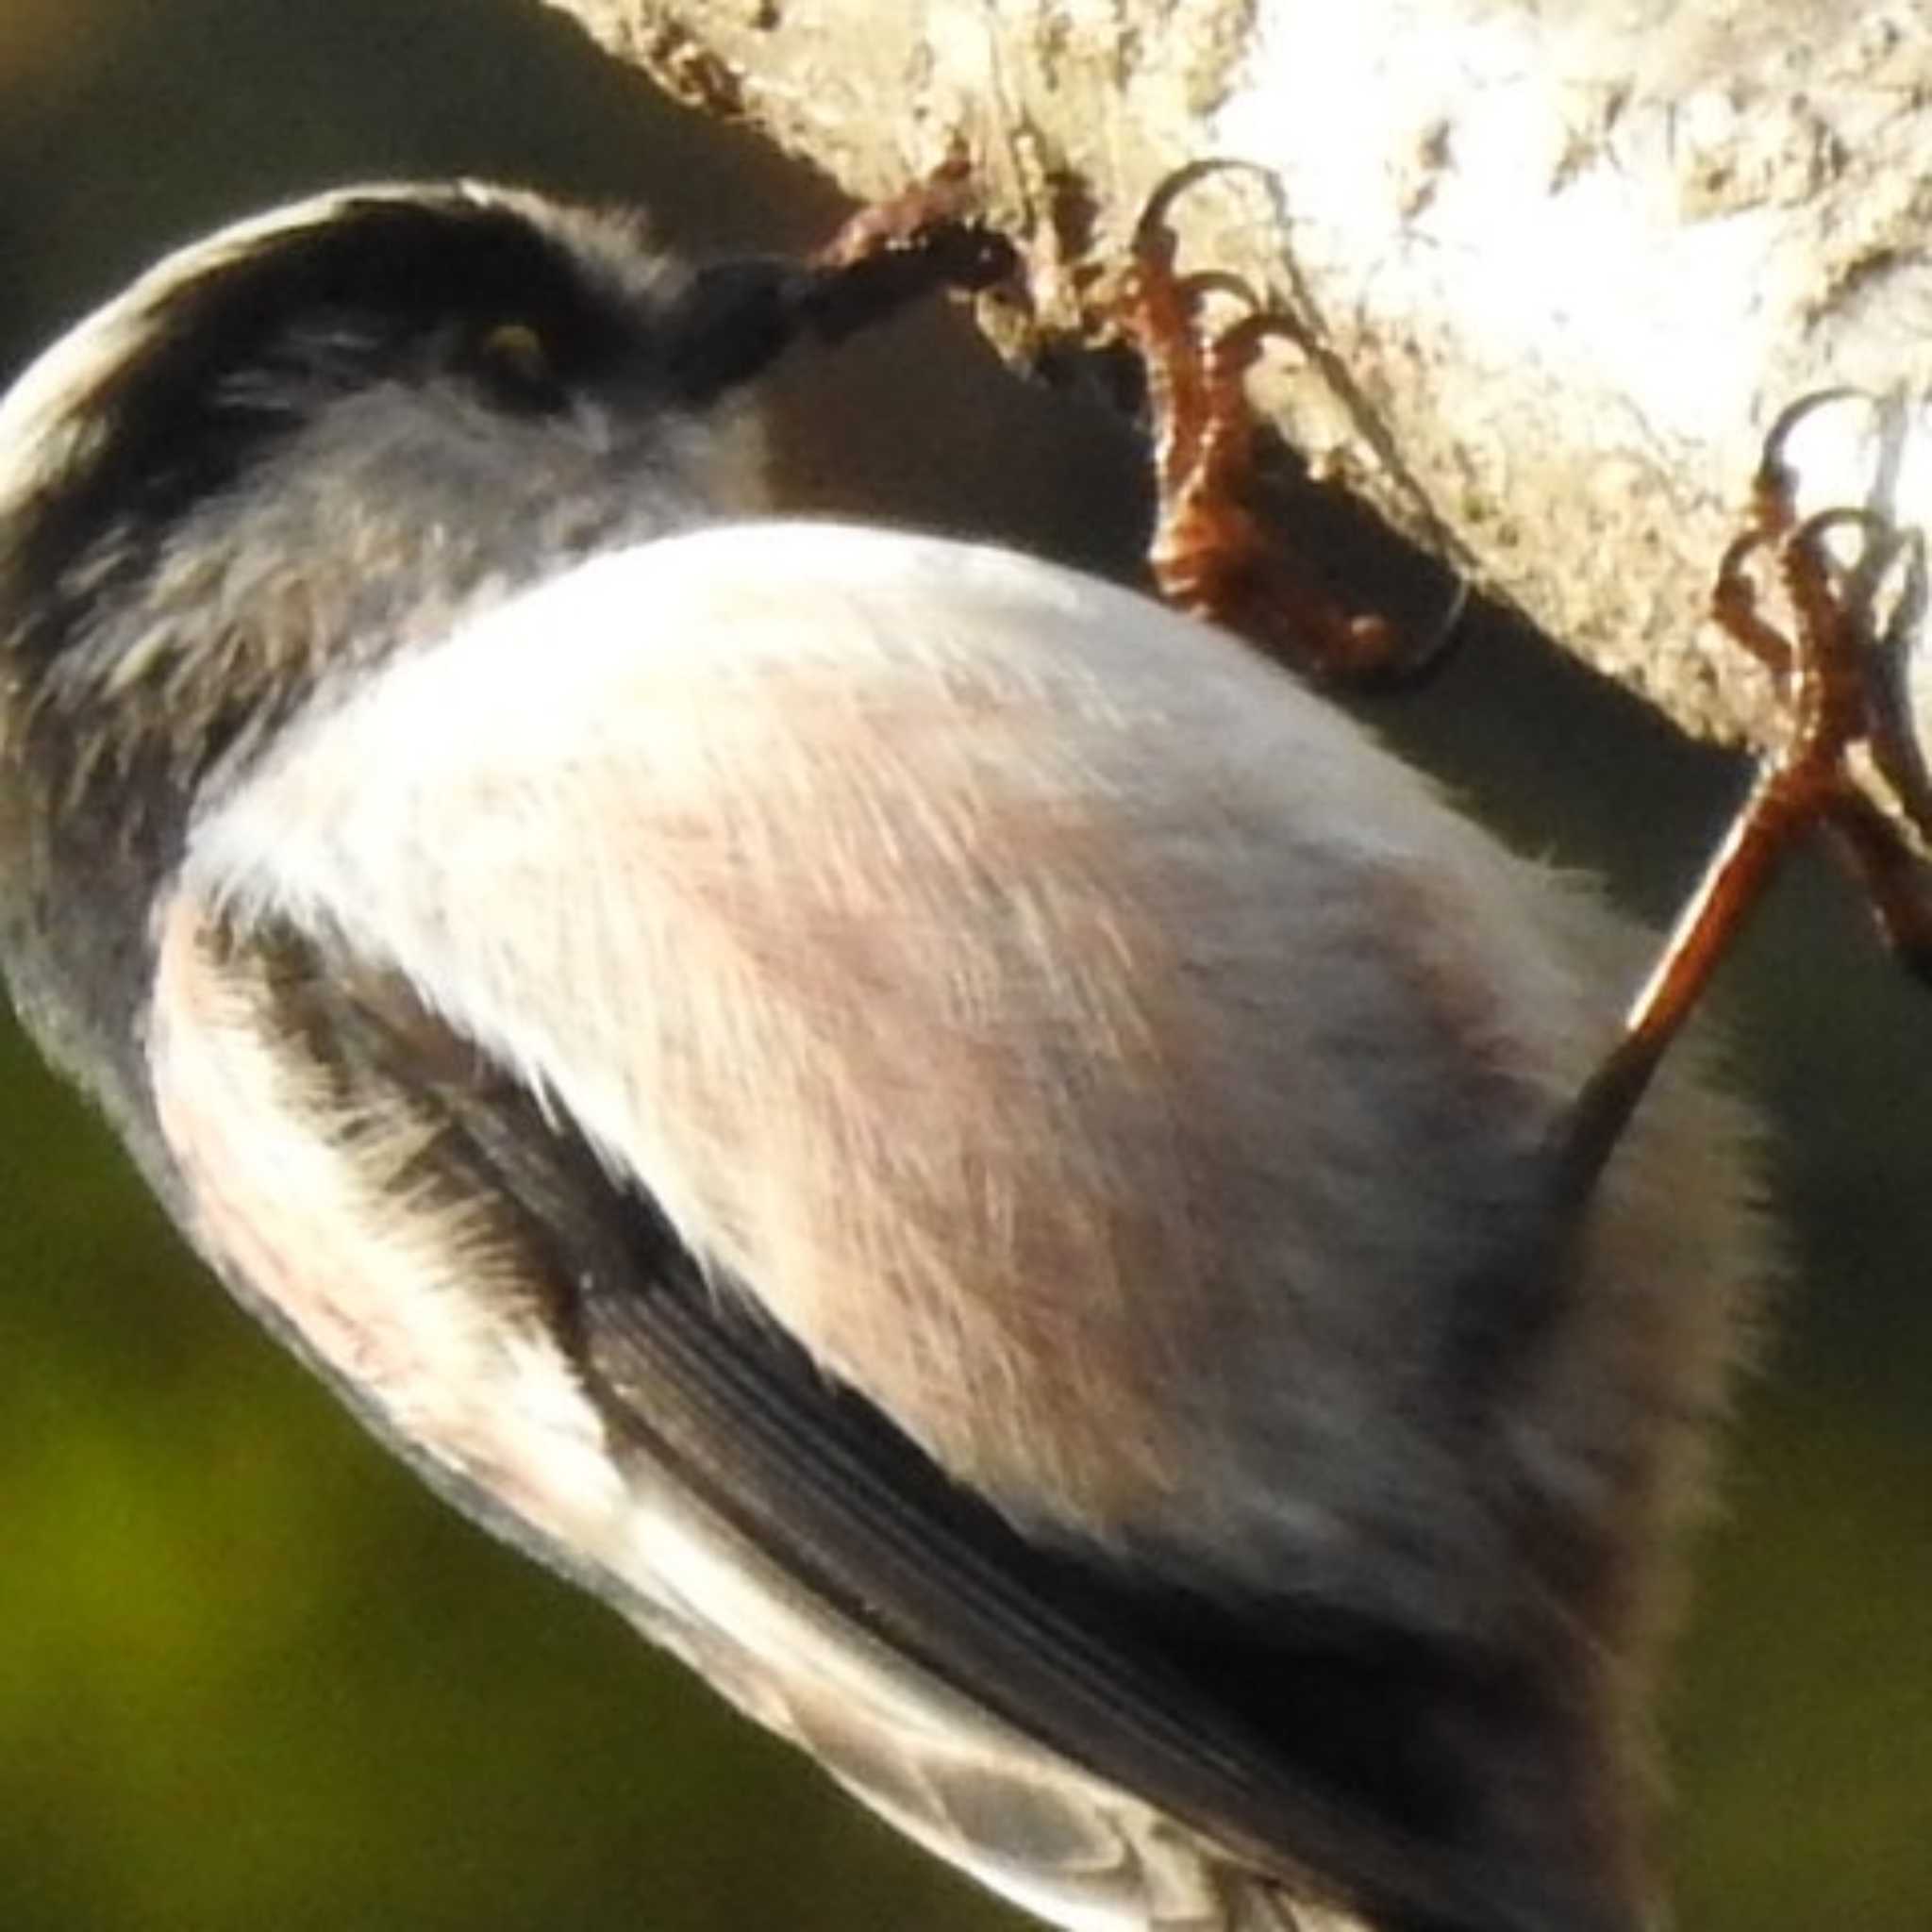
{"x": 1322, "y": 1749}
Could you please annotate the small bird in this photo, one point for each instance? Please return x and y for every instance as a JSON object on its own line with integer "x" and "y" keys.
{"x": 961, "y": 1148}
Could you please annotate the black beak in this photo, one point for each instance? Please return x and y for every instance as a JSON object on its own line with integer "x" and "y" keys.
{"x": 735, "y": 319}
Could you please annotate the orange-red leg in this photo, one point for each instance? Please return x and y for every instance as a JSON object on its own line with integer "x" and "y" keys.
{"x": 1834, "y": 680}
{"x": 1211, "y": 554}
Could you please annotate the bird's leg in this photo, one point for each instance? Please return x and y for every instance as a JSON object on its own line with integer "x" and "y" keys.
{"x": 1211, "y": 553}
{"x": 1836, "y": 685}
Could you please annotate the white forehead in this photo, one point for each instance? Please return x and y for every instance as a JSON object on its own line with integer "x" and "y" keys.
{"x": 46, "y": 424}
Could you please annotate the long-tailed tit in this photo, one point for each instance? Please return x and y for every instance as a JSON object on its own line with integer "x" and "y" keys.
{"x": 961, "y": 1148}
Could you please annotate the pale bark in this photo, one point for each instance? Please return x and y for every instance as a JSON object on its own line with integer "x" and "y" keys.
{"x": 1564, "y": 261}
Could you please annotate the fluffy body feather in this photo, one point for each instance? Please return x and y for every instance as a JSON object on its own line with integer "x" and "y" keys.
{"x": 965, "y": 1150}
{"x": 942, "y": 948}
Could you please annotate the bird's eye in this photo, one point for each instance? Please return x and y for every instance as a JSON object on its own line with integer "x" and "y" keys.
{"x": 516, "y": 360}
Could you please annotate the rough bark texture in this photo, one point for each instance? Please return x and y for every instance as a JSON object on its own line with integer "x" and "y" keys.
{"x": 1560, "y": 261}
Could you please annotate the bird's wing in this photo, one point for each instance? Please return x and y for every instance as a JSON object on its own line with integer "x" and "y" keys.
{"x": 603, "y": 1036}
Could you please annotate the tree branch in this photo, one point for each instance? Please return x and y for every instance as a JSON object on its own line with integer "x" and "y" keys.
{"x": 1558, "y": 265}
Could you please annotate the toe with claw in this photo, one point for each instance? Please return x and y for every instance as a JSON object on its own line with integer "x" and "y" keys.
{"x": 1211, "y": 554}
{"x": 1838, "y": 677}
{"x": 1837, "y": 674}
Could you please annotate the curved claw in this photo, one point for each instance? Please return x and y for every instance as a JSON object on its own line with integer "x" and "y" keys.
{"x": 1433, "y": 646}
{"x": 1153, "y": 220}
{"x": 1788, "y": 419}
{"x": 1211, "y": 553}
{"x": 1844, "y": 516}
{"x": 1237, "y": 345}
{"x": 1774, "y": 487}
{"x": 1214, "y": 282}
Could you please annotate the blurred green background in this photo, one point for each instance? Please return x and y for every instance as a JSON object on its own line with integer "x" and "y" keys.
{"x": 250, "y": 1676}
